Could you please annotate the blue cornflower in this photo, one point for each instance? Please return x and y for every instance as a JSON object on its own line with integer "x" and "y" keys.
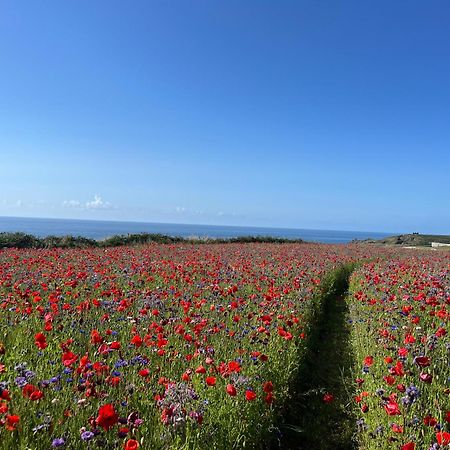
{"x": 58, "y": 442}
{"x": 21, "y": 382}
{"x": 87, "y": 435}
{"x": 120, "y": 363}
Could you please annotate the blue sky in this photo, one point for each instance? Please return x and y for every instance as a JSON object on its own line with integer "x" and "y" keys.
{"x": 305, "y": 114}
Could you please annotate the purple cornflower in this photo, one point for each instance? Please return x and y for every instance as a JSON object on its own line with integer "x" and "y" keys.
{"x": 21, "y": 382}
{"x": 87, "y": 435}
{"x": 29, "y": 374}
{"x": 412, "y": 392}
{"x": 58, "y": 442}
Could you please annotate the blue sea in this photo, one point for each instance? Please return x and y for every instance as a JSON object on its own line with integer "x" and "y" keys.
{"x": 99, "y": 229}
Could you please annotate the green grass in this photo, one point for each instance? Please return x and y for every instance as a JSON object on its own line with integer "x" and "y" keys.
{"x": 309, "y": 422}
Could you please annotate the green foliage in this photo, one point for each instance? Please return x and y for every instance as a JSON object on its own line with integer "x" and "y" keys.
{"x": 22, "y": 240}
{"x": 67, "y": 242}
{"x": 18, "y": 240}
{"x": 261, "y": 239}
{"x": 138, "y": 238}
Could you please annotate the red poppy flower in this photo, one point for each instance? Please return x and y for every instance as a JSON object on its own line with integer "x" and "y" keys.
{"x": 144, "y": 372}
{"x": 68, "y": 358}
{"x": 32, "y": 392}
{"x": 328, "y": 398}
{"x": 443, "y": 438}
{"x": 211, "y": 381}
{"x": 368, "y": 361}
{"x": 426, "y": 377}
{"x": 269, "y": 398}
{"x": 397, "y": 369}
{"x": 4, "y": 395}
{"x": 422, "y": 361}
{"x": 185, "y": 376}
{"x": 36, "y": 395}
{"x": 131, "y": 444}
{"x": 250, "y": 395}
{"x": 137, "y": 341}
{"x": 12, "y": 422}
{"x": 392, "y": 408}
{"x": 430, "y": 421}
{"x": 107, "y": 416}
{"x": 441, "y": 332}
{"x": 408, "y": 446}
{"x": 200, "y": 369}
{"x": 231, "y": 390}
{"x": 96, "y": 338}
{"x": 234, "y": 366}
{"x": 40, "y": 341}
{"x": 114, "y": 381}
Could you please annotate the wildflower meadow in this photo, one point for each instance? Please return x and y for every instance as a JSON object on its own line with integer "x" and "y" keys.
{"x": 183, "y": 346}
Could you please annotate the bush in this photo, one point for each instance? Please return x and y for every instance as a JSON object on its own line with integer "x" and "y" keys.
{"x": 18, "y": 240}
{"x": 22, "y": 240}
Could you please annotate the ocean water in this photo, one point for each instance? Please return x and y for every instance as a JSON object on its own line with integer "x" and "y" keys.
{"x": 99, "y": 229}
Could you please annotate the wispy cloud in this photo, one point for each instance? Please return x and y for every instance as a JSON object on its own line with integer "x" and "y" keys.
{"x": 72, "y": 204}
{"x": 227, "y": 214}
{"x": 181, "y": 210}
{"x": 96, "y": 204}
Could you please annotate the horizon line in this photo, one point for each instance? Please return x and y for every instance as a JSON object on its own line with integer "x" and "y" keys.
{"x": 199, "y": 224}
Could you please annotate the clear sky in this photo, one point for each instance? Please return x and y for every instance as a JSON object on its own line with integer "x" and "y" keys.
{"x": 306, "y": 114}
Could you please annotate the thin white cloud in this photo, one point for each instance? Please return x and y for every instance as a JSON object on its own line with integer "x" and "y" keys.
{"x": 227, "y": 214}
{"x": 181, "y": 210}
{"x": 96, "y": 204}
{"x": 72, "y": 204}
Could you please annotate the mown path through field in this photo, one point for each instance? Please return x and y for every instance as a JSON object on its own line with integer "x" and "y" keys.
{"x": 311, "y": 422}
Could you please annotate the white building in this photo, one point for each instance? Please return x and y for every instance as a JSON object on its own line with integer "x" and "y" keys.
{"x": 439, "y": 244}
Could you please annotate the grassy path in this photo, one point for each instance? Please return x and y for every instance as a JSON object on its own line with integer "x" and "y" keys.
{"x": 310, "y": 422}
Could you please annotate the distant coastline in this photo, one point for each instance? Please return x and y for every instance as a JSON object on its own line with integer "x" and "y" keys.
{"x": 99, "y": 229}
{"x": 413, "y": 240}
